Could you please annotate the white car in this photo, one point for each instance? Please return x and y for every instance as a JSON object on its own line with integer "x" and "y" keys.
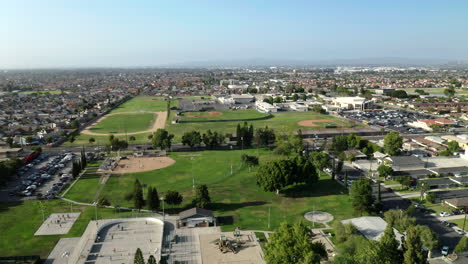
{"x": 444, "y": 214}
{"x": 444, "y": 250}
{"x": 459, "y": 231}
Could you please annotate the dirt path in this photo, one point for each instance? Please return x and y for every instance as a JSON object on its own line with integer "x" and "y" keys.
{"x": 159, "y": 123}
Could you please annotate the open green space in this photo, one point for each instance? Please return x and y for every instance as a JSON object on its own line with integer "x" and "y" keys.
{"x": 147, "y": 104}
{"x": 40, "y": 92}
{"x": 459, "y": 223}
{"x": 280, "y": 122}
{"x": 89, "y": 181}
{"x": 20, "y": 220}
{"x": 236, "y": 196}
{"x": 435, "y": 208}
{"x": 224, "y": 115}
{"x": 436, "y": 90}
{"x": 122, "y": 123}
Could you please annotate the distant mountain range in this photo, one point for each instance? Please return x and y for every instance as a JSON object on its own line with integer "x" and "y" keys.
{"x": 384, "y": 61}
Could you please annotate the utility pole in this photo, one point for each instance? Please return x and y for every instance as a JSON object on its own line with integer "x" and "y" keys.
{"x": 464, "y": 219}
{"x": 164, "y": 215}
{"x": 95, "y": 210}
{"x": 269, "y": 210}
{"x": 193, "y": 178}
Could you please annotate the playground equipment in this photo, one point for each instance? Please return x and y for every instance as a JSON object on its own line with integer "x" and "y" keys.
{"x": 226, "y": 244}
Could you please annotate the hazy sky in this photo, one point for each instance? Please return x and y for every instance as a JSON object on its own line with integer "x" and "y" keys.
{"x": 81, "y": 33}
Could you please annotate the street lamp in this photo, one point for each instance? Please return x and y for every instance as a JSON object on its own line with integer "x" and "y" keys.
{"x": 193, "y": 178}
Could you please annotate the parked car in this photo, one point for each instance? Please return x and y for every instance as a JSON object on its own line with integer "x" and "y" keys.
{"x": 445, "y": 250}
{"x": 444, "y": 214}
{"x": 459, "y": 231}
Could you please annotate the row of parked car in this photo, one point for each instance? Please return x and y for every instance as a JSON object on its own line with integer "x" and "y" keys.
{"x": 396, "y": 120}
{"x": 30, "y": 184}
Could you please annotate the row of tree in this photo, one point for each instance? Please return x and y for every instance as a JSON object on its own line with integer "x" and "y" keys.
{"x": 153, "y": 200}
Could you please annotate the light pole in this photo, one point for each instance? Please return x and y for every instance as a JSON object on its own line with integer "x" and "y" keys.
{"x": 193, "y": 178}
{"x": 164, "y": 215}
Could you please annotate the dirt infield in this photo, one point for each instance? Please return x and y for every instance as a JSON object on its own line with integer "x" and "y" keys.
{"x": 154, "y": 99}
{"x": 312, "y": 123}
{"x": 208, "y": 114}
{"x": 139, "y": 164}
{"x": 159, "y": 123}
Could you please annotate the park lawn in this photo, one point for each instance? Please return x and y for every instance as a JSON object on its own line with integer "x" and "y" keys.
{"x": 437, "y": 90}
{"x": 89, "y": 181}
{"x": 147, "y": 104}
{"x": 42, "y": 92}
{"x": 236, "y": 197}
{"x": 83, "y": 140}
{"x": 225, "y": 115}
{"x": 280, "y": 122}
{"x": 459, "y": 223}
{"x": 20, "y": 220}
{"x": 122, "y": 123}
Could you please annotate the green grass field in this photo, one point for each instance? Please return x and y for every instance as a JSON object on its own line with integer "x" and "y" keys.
{"x": 235, "y": 196}
{"x": 122, "y": 123}
{"x": 19, "y": 221}
{"x": 280, "y": 122}
{"x": 89, "y": 181}
{"x": 225, "y": 115}
{"x": 437, "y": 90}
{"x": 41, "y": 92}
{"x": 148, "y": 104}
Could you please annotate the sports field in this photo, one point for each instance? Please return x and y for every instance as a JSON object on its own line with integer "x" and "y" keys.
{"x": 280, "y": 122}
{"x": 41, "y": 92}
{"x": 121, "y": 123}
{"x": 235, "y": 195}
{"x": 144, "y": 104}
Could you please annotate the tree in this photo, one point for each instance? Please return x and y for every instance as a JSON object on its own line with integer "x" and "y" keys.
{"x": 191, "y": 138}
{"x": 152, "y": 260}
{"x": 244, "y": 135}
{"x": 288, "y": 144}
{"x": 453, "y": 146}
{"x": 138, "y": 257}
{"x": 103, "y": 201}
{"x": 91, "y": 140}
{"x": 462, "y": 245}
{"x": 264, "y": 136}
{"x": 361, "y": 195}
{"x": 385, "y": 171}
{"x": 153, "y": 199}
{"x": 132, "y": 138}
{"x": 399, "y": 219}
{"x": 138, "y": 199}
{"x": 29, "y": 139}
{"x": 250, "y": 161}
{"x": 202, "y": 197}
{"x": 212, "y": 139}
{"x": 321, "y": 160}
{"x": 343, "y": 232}
{"x": 393, "y": 143}
{"x": 399, "y": 94}
{"x": 292, "y": 244}
{"x": 413, "y": 247}
{"x": 388, "y": 247}
{"x": 173, "y": 198}
{"x": 162, "y": 139}
{"x": 339, "y": 143}
{"x": 450, "y": 91}
{"x": 10, "y": 142}
{"x": 295, "y": 97}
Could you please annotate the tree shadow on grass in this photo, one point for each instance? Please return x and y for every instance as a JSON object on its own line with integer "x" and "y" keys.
{"x": 5, "y": 206}
{"x": 320, "y": 188}
{"x": 234, "y": 206}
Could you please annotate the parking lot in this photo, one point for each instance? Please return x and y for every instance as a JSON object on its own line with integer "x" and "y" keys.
{"x": 42, "y": 178}
{"x": 394, "y": 120}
